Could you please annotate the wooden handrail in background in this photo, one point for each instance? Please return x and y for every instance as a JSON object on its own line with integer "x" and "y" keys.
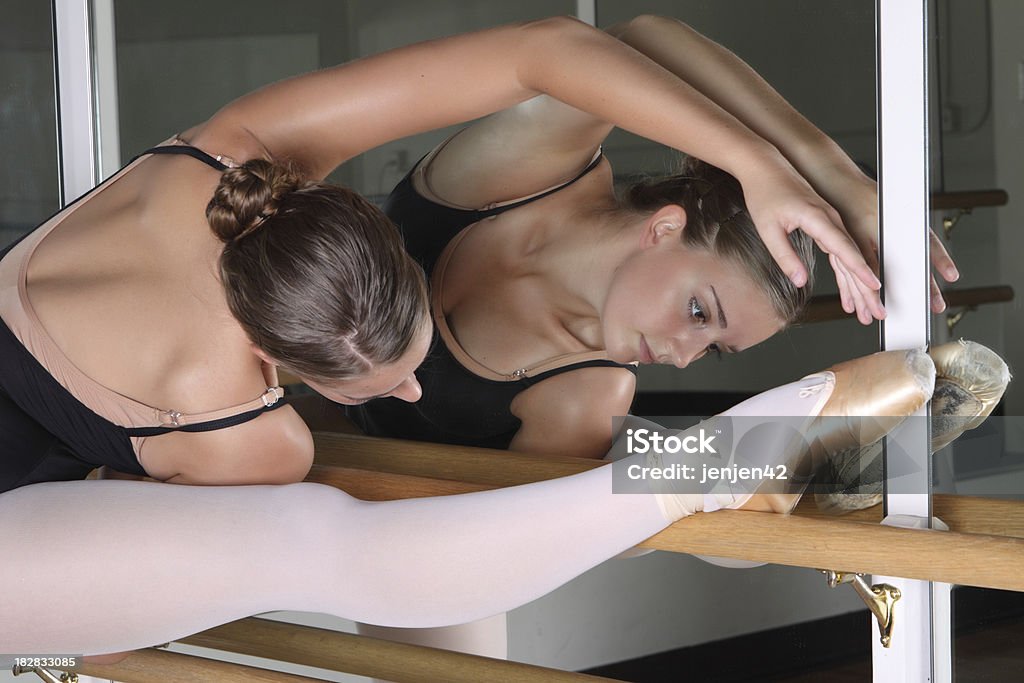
{"x": 971, "y": 199}
{"x": 827, "y": 306}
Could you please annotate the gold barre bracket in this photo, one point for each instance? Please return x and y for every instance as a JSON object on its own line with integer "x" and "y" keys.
{"x": 953, "y": 319}
{"x": 45, "y": 674}
{"x": 880, "y": 598}
{"x": 949, "y": 222}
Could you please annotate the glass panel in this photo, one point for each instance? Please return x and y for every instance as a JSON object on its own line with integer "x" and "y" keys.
{"x": 29, "y": 180}
{"x": 774, "y": 611}
{"x": 177, "y": 63}
{"x": 977, "y": 146}
{"x": 835, "y": 89}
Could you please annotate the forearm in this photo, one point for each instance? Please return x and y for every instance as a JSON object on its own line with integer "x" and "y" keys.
{"x": 629, "y": 90}
{"x": 733, "y": 85}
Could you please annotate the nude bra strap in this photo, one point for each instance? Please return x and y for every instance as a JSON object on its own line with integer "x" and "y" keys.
{"x": 530, "y": 380}
{"x": 175, "y": 422}
{"x": 501, "y": 208}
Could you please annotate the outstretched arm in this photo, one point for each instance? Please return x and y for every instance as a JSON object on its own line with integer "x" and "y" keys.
{"x": 321, "y": 119}
{"x": 543, "y": 141}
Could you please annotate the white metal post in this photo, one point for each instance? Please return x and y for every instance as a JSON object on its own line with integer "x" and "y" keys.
{"x": 106, "y": 127}
{"x": 920, "y": 647}
{"x": 586, "y": 11}
{"x": 75, "y": 105}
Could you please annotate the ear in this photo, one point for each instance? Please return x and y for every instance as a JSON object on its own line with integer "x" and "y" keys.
{"x": 262, "y": 355}
{"x": 667, "y": 222}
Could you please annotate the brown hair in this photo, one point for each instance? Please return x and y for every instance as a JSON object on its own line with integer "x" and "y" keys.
{"x": 317, "y": 276}
{"x": 717, "y": 220}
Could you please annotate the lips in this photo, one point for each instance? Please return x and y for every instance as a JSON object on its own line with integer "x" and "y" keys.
{"x": 646, "y": 356}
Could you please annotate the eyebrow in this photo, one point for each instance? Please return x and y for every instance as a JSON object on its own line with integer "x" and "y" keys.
{"x": 370, "y": 398}
{"x": 360, "y": 399}
{"x": 723, "y": 322}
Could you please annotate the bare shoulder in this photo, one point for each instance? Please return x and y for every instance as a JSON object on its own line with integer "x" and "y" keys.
{"x": 274, "y": 448}
{"x": 223, "y": 136}
{"x": 514, "y": 153}
{"x": 571, "y": 413}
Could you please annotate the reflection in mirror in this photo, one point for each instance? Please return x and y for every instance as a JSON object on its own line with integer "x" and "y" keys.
{"x": 976, "y": 149}
{"x": 796, "y": 46}
{"x": 978, "y": 115}
{"x": 832, "y": 82}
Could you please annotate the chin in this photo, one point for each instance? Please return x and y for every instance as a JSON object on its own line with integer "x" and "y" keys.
{"x": 620, "y": 355}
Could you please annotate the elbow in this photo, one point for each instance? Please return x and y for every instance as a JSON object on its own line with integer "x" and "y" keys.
{"x": 559, "y": 30}
{"x": 643, "y": 24}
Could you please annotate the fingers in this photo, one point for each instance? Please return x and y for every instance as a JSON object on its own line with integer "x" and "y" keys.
{"x": 845, "y": 298}
{"x": 941, "y": 259}
{"x": 938, "y": 302}
{"x": 782, "y": 251}
{"x": 862, "y": 284}
{"x": 854, "y": 297}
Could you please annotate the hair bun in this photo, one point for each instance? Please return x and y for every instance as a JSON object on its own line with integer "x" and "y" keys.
{"x": 246, "y": 196}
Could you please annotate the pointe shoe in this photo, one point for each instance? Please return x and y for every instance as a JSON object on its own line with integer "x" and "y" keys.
{"x": 970, "y": 381}
{"x": 871, "y": 396}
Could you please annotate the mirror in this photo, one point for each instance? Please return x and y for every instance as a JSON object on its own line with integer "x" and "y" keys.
{"x": 975, "y": 151}
{"x": 29, "y": 181}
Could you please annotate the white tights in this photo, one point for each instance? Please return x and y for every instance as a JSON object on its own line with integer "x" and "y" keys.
{"x": 91, "y": 567}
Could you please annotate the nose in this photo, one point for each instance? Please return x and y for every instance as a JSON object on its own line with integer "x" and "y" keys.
{"x": 409, "y": 390}
{"x": 683, "y": 351}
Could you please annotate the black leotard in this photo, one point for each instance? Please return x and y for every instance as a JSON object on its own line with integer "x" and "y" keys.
{"x": 458, "y": 406}
{"x": 46, "y": 434}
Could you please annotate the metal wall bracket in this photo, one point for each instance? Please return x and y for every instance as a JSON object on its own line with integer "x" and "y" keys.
{"x": 880, "y": 599}
{"x": 46, "y": 674}
{"x": 953, "y": 319}
{"x": 949, "y": 222}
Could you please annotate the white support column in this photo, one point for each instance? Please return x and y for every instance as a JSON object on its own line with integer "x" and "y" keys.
{"x": 920, "y": 646}
{"x": 586, "y": 11}
{"x": 75, "y": 105}
{"x": 107, "y": 127}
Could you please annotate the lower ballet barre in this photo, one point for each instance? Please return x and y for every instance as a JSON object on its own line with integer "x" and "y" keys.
{"x": 984, "y": 547}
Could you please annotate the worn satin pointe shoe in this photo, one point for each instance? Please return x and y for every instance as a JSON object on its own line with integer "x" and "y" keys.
{"x": 970, "y": 381}
{"x": 871, "y": 396}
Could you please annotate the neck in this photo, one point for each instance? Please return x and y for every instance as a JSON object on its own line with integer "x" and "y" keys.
{"x": 575, "y": 257}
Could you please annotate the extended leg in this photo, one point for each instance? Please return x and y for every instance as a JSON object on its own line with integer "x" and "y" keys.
{"x": 104, "y": 566}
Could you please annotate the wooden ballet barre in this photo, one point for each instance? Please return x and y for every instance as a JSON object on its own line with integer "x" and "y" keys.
{"x": 942, "y": 201}
{"x": 965, "y": 514}
{"x": 827, "y": 307}
{"x": 160, "y": 666}
{"x": 382, "y": 469}
{"x": 373, "y": 657}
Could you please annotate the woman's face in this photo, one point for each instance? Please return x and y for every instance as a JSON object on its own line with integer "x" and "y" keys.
{"x": 671, "y": 304}
{"x": 396, "y": 379}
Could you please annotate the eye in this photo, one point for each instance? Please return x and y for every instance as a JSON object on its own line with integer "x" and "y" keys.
{"x": 697, "y": 311}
